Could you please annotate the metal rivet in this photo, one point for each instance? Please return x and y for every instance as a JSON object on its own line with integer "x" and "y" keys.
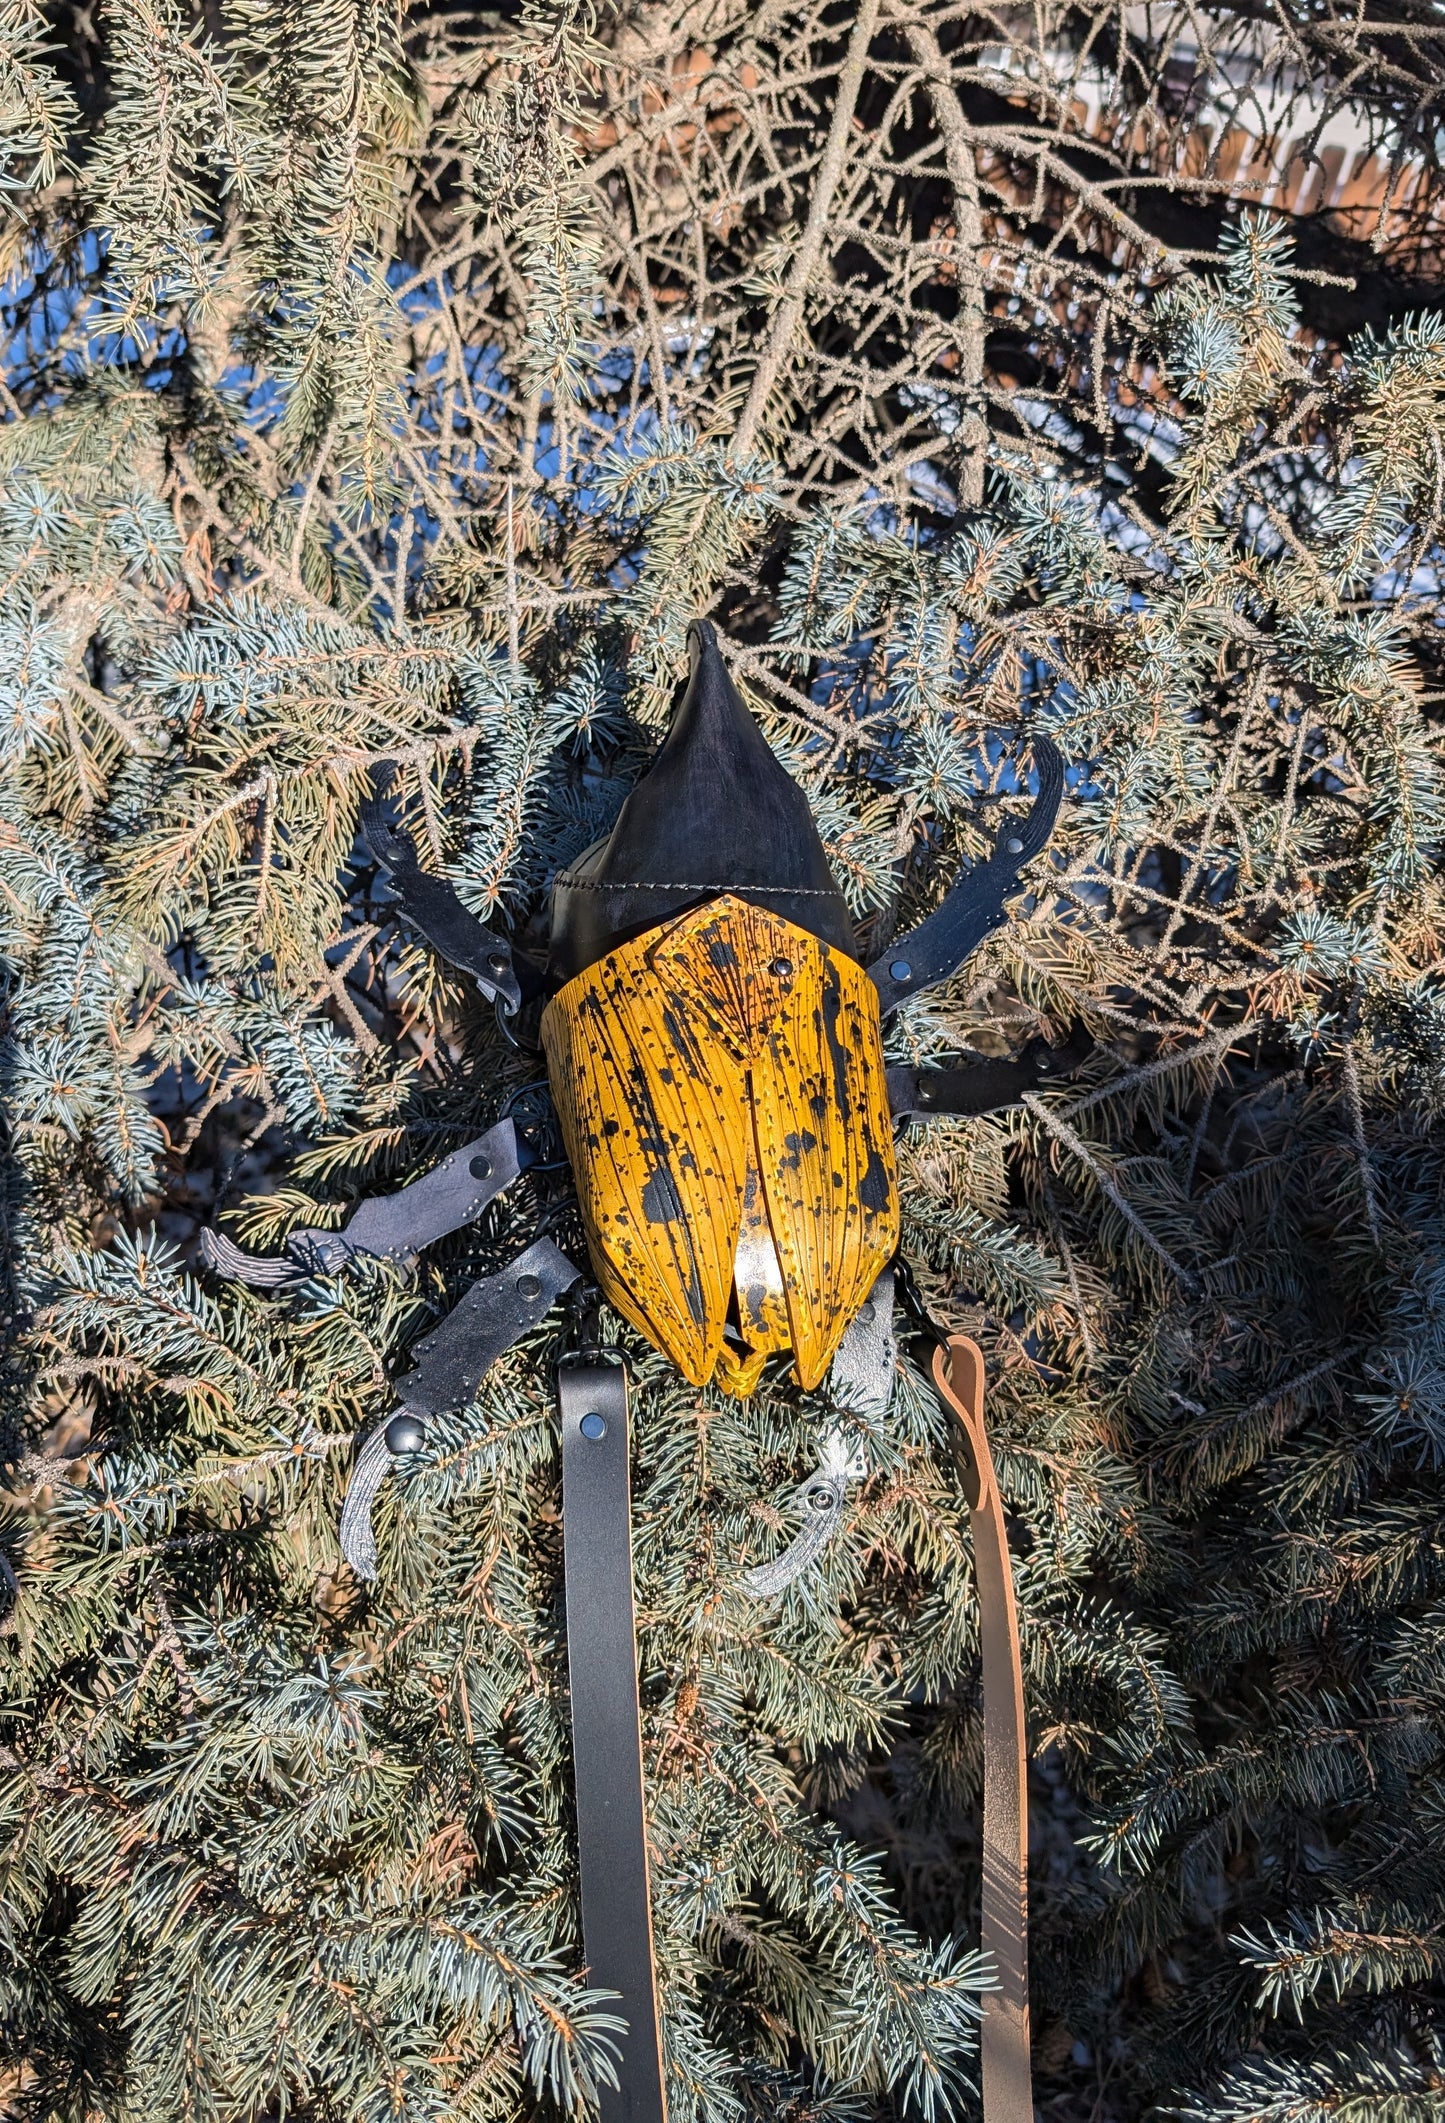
{"x": 1014, "y": 845}
{"x": 900, "y": 970}
{"x": 497, "y": 961}
{"x": 405, "y": 1434}
{"x": 820, "y": 1498}
{"x": 480, "y": 1168}
{"x": 593, "y": 1426}
{"x": 926, "y": 1094}
{"x": 781, "y": 968}
{"x": 529, "y": 1286}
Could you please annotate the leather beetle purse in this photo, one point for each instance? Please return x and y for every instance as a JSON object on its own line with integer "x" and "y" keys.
{"x": 715, "y": 1056}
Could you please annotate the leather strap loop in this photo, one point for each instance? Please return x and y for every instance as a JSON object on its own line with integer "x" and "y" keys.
{"x": 606, "y": 1727}
{"x": 958, "y": 1374}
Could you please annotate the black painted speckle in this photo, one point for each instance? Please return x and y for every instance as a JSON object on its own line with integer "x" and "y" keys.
{"x": 661, "y": 1201}
{"x": 875, "y": 1190}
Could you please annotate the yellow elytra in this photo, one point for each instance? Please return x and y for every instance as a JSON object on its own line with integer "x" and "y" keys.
{"x": 720, "y": 1085}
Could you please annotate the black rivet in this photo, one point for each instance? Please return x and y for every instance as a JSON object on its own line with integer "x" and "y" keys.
{"x": 1014, "y": 845}
{"x": 926, "y": 1094}
{"x": 405, "y": 1434}
{"x": 497, "y": 961}
{"x": 900, "y": 970}
{"x": 480, "y": 1168}
{"x": 529, "y": 1286}
{"x": 593, "y": 1426}
{"x": 781, "y": 968}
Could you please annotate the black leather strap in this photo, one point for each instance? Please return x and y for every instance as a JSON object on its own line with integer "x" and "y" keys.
{"x": 983, "y": 1084}
{"x": 390, "y": 1226}
{"x": 936, "y": 949}
{"x": 606, "y": 1733}
{"x": 432, "y": 907}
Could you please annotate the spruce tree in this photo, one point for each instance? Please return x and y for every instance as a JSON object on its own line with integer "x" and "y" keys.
{"x": 388, "y": 391}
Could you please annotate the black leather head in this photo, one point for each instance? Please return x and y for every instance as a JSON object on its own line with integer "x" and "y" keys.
{"x": 715, "y": 812}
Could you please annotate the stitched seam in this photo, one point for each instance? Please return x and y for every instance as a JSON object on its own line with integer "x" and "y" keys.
{"x": 594, "y": 884}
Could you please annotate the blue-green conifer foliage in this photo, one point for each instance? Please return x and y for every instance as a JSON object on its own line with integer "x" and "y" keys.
{"x": 391, "y": 388}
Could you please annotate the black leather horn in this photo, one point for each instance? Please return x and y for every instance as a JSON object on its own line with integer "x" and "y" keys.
{"x": 715, "y": 812}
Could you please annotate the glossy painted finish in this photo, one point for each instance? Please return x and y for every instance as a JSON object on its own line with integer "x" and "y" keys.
{"x": 721, "y": 1089}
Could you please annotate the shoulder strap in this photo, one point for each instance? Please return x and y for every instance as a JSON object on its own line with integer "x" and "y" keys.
{"x": 606, "y": 1727}
{"x": 1007, "y": 2082}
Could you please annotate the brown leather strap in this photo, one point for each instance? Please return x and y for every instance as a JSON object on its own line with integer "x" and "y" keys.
{"x": 606, "y": 1736}
{"x": 1007, "y": 2082}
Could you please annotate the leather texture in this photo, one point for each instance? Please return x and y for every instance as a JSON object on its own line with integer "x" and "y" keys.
{"x": 935, "y": 950}
{"x": 985, "y": 1083}
{"x": 432, "y": 907}
{"x": 606, "y": 1728}
{"x": 452, "y": 1362}
{"x": 395, "y": 1227}
{"x": 958, "y": 1373}
{"x": 263, "y": 1271}
{"x": 389, "y": 1226}
{"x": 715, "y": 812}
{"x": 720, "y": 1087}
{"x": 495, "y": 1313}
